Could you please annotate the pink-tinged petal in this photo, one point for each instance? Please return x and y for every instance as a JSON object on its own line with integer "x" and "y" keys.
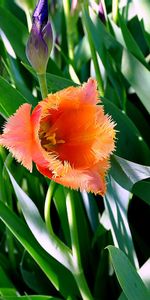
{"x": 89, "y": 180}
{"x": 17, "y": 136}
{"x": 90, "y": 93}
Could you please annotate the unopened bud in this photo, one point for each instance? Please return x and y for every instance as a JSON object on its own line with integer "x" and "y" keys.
{"x": 40, "y": 41}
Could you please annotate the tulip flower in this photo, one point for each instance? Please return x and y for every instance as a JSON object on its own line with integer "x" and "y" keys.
{"x": 67, "y": 135}
{"x": 40, "y": 41}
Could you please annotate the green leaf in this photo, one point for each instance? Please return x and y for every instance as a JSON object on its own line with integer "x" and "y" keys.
{"x": 136, "y": 114}
{"x": 133, "y": 70}
{"x": 116, "y": 202}
{"x": 32, "y": 274}
{"x": 133, "y": 66}
{"x": 48, "y": 242}
{"x": 60, "y": 203}
{"x": 142, "y": 190}
{"x": 82, "y": 53}
{"x": 91, "y": 210}
{"x": 83, "y": 229}
{"x": 129, "y": 143}
{"x": 138, "y": 76}
{"x": 10, "y": 98}
{"x": 57, "y": 274}
{"x": 54, "y": 82}
{"x": 31, "y": 297}
{"x": 142, "y": 9}
{"x": 102, "y": 45}
{"x": 130, "y": 282}
{"x": 19, "y": 81}
{"x": 18, "y": 40}
{"x": 127, "y": 173}
{"x": 130, "y": 43}
{"x": 144, "y": 273}
{"x": 26, "y": 4}
{"x": 4, "y": 280}
{"x": 4, "y": 292}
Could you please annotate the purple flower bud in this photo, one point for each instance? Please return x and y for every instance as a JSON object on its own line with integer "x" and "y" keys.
{"x": 101, "y": 12}
{"x": 40, "y": 41}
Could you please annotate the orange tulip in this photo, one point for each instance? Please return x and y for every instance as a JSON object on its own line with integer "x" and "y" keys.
{"x": 67, "y": 135}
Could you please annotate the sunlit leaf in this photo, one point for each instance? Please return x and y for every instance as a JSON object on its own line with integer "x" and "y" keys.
{"x": 142, "y": 8}
{"x": 130, "y": 281}
{"x": 116, "y": 203}
{"x": 62, "y": 280}
{"x": 139, "y": 79}
{"x": 18, "y": 40}
{"x": 127, "y": 173}
{"x": 37, "y": 226}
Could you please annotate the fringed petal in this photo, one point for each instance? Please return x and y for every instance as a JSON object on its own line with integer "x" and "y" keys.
{"x": 89, "y": 180}
{"x": 17, "y": 136}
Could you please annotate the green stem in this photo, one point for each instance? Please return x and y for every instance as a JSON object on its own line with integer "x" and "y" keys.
{"x": 83, "y": 287}
{"x": 77, "y": 271}
{"x": 47, "y": 206}
{"x": 73, "y": 228}
{"x": 115, "y": 10}
{"x": 93, "y": 52}
{"x": 43, "y": 84}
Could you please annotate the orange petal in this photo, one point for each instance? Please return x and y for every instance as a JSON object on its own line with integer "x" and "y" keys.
{"x": 38, "y": 153}
{"x": 17, "y": 136}
{"x": 87, "y": 94}
{"x": 104, "y": 143}
{"x": 45, "y": 171}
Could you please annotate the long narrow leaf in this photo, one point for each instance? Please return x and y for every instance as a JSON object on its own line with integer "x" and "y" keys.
{"x": 62, "y": 280}
{"x": 116, "y": 203}
{"x": 128, "y": 278}
{"x": 127, "y": 173}
{"x": 48, "y": 242}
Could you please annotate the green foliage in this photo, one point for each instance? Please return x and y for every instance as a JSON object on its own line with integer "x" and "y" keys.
{"x": 68, "y": 259}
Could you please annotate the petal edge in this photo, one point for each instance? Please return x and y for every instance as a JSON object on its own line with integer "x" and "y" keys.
{"x": 17, "y": 136}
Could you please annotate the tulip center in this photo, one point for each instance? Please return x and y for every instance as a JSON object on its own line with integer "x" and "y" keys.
{"x": 70, "y": 135}
{"x": 49, "y": 139}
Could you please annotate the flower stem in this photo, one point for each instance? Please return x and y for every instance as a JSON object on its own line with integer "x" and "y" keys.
{"x": 115, "y": 10}
{"x": 73, "y": 228}
{"x": 93, "y": 51}
{"x": 83, "y": 287}
{"x": 48, "y": 199}
{"x": 43, "y": 85}
{"x": 77, "y": 270}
